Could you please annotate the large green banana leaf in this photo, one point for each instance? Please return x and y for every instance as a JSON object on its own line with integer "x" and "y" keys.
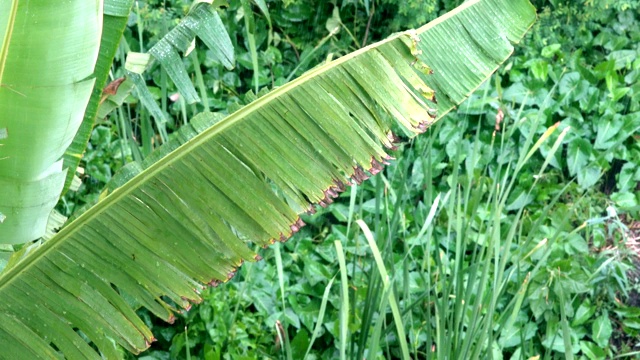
{"x": 47, "y": 57}
{"x": 184, "y": 220}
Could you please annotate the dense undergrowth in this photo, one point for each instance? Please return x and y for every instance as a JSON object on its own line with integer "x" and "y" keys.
{"x": 504, "y": 232}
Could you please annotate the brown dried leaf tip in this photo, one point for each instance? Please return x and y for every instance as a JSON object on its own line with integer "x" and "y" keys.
{"x": 147, "y": 342}
{"x": 376, "y": 167}
{"x": 386, "y": 159}
{"x": 358, "y": 175}
{"x": 188, "y": 307}
{"x": 425, "y": 124}
{"x": 329, "y": 194}
{"x": 394, "y": 140}
{"x": 332, "y": 192}
{"x": 295, "y": 227}
{"x": 231, "y": 274}
{"x": 339, "y": 186}
{"x": 422, "y": 126}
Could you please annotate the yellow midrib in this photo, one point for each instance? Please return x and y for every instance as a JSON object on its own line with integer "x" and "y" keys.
{"x": 4, "y": 51}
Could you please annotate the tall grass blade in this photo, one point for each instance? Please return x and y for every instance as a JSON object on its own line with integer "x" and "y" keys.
{"x": 285, "y": 336}
{"x": 402, "y": 339}
{"x": 344, "y": 300}
{"x": 323, "y": 308}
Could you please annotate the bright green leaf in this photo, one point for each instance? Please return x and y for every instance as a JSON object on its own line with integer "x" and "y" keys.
{"x": 578, "y": 153}
{"x": 589, "y": 175}
{"x": 550, "y": 50}
{"x": 602, "y": 330}
{"x": 628, "y": 177}
{"x": 583, "y": 314}
{"x": 540, "y": 69}
{"x": 625, "y": 200}
{"x": 592, "y": 351}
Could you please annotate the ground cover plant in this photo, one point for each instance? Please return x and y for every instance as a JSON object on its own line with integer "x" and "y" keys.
{"x": 76, "y": 293}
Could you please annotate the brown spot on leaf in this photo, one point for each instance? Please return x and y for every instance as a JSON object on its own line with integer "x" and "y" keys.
{"x": 113, "y": 86}
{"x": 257, "y": 257}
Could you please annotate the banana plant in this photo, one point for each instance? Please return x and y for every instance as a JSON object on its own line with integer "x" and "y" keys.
{"x": 188, "y": 216}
